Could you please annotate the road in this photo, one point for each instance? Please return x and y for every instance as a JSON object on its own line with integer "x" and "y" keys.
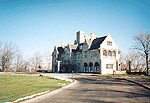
{"x": 97, "y": 89}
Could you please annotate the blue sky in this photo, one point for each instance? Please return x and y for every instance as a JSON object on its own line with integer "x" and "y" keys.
{"x": 39, "y": 25}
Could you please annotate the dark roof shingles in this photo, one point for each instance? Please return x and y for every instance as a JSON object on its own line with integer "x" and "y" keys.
{"x": 96, "y": 42}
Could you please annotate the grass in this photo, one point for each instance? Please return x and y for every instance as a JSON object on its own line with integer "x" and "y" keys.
{"x": 13, "y": 87}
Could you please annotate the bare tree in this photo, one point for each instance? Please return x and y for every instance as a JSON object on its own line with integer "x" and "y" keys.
{"x": 28, "y": 64}
{"x": 142, "y": 45}
{"x": 123, "y": 61}
{"x": 47, "y": 58}
{"x": 19, "y": 62}
{"x": 36, "y": 61}
{"x": 135, "y": 59}
{"x": 7, "y": 55}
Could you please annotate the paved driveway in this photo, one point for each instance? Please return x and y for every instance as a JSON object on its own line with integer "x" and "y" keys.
{"x": 95, "y": 89}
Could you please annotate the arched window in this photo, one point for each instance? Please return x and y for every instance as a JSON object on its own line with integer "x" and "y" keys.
{"x": 85, "y": 67}
{"x": 105, "y": 53}
{"x": 90, "y": 64}
{"x": 96, "y": 66}
{"x": 85, "y": 64}
{"x": 91, "y": 67}
{"x": 114, "y": 53}
{"x": 109, "y": 53}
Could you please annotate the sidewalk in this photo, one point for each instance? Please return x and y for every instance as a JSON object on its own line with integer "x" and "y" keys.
{"x": 142, "y": 80}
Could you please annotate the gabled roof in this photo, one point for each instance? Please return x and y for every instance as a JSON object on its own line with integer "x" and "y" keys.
{"x": 96, "y": 42}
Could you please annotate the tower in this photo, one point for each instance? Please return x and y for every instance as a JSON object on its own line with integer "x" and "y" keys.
{"x": 80, "y": 37}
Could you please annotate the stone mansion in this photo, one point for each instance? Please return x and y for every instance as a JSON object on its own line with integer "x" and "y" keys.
{"x": 87, "y": 55}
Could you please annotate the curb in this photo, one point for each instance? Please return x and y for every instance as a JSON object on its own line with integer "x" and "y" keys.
{"x": 36, "y": 99}
{"x": 29, "y": 97}
{"x": 45, "y": 92}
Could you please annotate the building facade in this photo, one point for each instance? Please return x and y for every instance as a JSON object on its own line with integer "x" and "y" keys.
{"x": 87, "y": 55}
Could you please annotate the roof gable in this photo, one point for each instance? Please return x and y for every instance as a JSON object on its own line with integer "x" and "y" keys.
{"x": 109, "y": 39}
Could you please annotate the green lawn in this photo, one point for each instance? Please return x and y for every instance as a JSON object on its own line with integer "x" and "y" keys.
{"x": 13, "y": 87}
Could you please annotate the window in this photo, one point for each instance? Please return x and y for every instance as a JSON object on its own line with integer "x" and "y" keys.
{"x": 105, "y": 53}
{"x": 114, "y": 53}
{"x": 109, "y": 43}
{"x": 109, "y": 66}
{"x": 109, "y": 53}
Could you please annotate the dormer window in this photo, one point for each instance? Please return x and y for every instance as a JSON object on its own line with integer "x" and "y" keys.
{"x": 109, "y": 43}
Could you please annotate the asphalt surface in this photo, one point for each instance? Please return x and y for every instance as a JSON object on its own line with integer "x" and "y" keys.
{"x": 97, "y": 89}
